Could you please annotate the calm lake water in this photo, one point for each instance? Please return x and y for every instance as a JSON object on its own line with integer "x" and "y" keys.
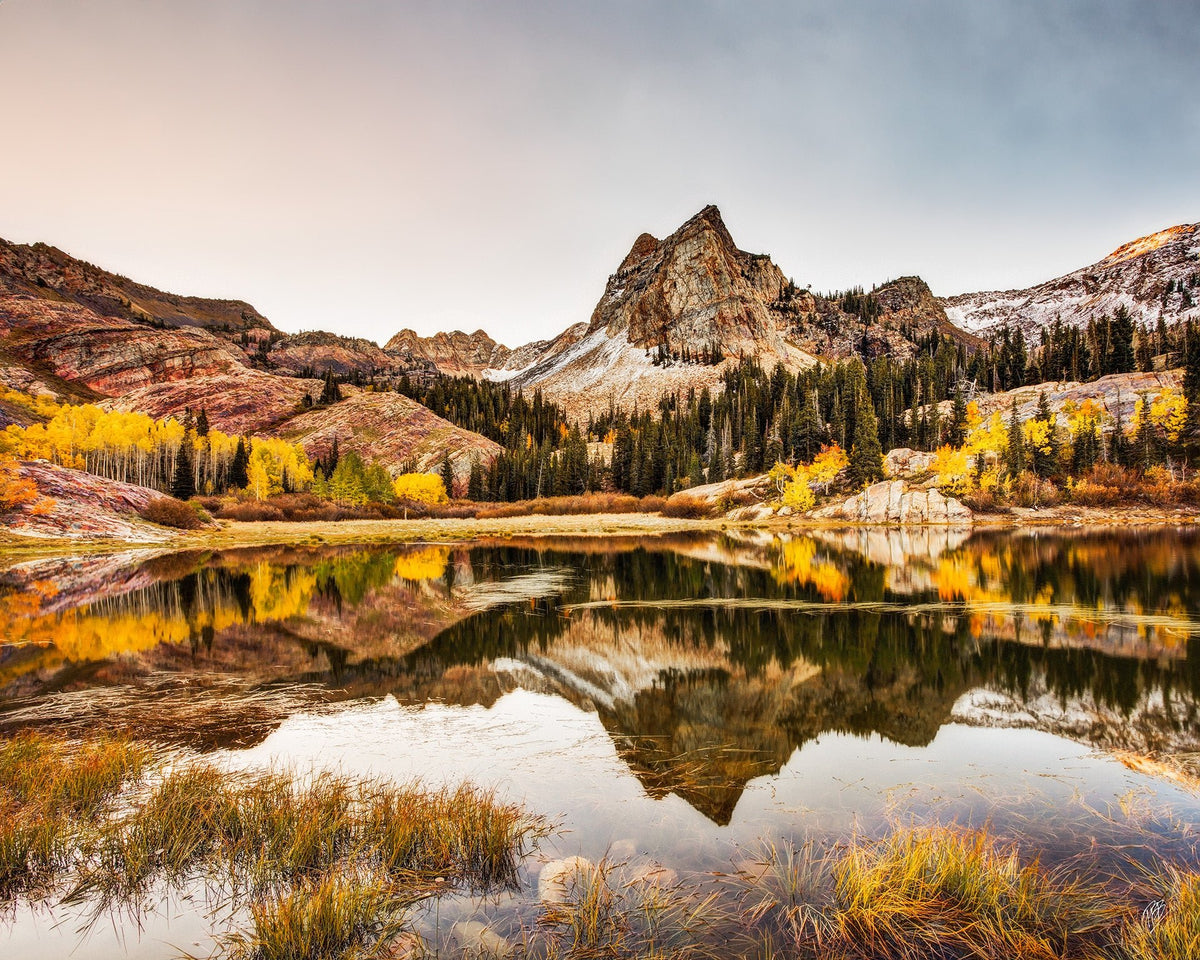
{"x": 675, "y": 700}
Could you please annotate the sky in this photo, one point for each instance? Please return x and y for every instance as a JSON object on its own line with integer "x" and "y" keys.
{"x": 367, "y": 166}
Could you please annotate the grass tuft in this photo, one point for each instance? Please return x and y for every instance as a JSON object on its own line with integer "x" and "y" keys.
{"x": 947, "y": 892}
{"x": 51, "y": 792}
{"x": 335, "y": 918}
{"x": 1168, "y": 929}
{"x": 264, "y": 831}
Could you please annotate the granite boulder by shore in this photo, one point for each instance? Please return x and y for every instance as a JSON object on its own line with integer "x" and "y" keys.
{"x": 893, "y": 501}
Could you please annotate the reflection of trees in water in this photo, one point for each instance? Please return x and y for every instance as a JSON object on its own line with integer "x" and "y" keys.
{"x": 892, "y": 673}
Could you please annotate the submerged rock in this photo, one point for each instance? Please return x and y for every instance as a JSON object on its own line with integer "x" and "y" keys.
{"x": 475, "y": 939}
{"x": 558, "y": 877}
{"x": 654, "y": 875}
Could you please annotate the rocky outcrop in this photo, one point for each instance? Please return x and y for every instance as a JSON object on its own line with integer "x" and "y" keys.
{"x": 1116, "y": 393}
{"x": 391, "y": 428}
{"x": 74, "y": 505}
{"x": 1136, "y": 276}
{"x": 904, "y": 463}
{"x": 318, "y": 352}
{"x": 107, "y": 355}
{"x": 893, "y": 501}
{"x": 454, "y": 352}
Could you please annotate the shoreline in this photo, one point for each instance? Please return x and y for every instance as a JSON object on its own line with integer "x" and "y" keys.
{"x": 233, "y": 534}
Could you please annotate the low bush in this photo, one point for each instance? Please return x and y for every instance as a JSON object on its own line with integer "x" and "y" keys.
{"x": 1030, "y": 490}
{"x": 169, "y": 512}
{"x": 587, "y": 503}
{"x": 684, "y": 507}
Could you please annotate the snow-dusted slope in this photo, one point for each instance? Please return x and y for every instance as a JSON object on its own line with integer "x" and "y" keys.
{"x": 1136, "y": 275}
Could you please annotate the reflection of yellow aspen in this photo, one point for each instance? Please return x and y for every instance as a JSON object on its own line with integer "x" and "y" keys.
{"x": 798, "y": 564}
{"x": 427, "y": 563}
{"x": 277, "y": 593}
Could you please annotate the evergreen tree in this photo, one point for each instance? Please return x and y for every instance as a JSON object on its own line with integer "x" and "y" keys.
{"x": 239, "y": 476}
{"x": 1191, "y": 383}
{"x": 866, "y": 457}
{"x": 202, "y": 423}
{"x": 1014, "y": 456}
{"x": 334, "y": 457}
{"x": 1044, "y": 457}
{"x": 183, "y": 482}
{"x": 1121, "y": 342}
{"x": 958, "y": 420}
{"x": 475, "y": 486}
{"x": 1118, "y": 451}
{"x": 447, "y": 475}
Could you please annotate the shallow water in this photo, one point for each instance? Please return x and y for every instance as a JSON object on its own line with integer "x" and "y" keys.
{"x": 676, "y": 699}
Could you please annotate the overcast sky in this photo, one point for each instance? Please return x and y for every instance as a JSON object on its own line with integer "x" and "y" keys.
{"x": 366, "y": 166}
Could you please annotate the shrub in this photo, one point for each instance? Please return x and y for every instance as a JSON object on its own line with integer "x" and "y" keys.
{"x": 249, "y": 511}
{"x": 685, "y": 507}
{"x": 169, "y": 512}
{"x": 1031, "y": 491}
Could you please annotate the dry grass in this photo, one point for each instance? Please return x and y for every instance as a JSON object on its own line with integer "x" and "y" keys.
{"x": 584, "y": 504}
{"x": 263, "y": 832}
{"x": 603, "y": 917}
{"x": 335, "y": 918}
{"x": 51, "y": 792}
{"x": 947, "y": 892}
{"x": 1169, "y": 928}
{"x": 687, "y": 507}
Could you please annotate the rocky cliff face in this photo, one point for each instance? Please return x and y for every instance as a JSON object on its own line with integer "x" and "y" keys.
{"x": 1136, "y": 276}
{"x": 106, "y": 355}
{"x": 454, "y": 352}
{"x": 318, "y": 351}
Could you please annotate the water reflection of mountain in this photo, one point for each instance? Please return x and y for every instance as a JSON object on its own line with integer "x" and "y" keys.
{"x": 709, "y": 661}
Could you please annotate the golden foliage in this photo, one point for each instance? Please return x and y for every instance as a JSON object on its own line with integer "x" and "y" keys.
{"x": 427, "y": 563}
{"x": 420, "y": 488}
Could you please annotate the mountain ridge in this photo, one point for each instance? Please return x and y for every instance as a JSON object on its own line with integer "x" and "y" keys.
{"x": 1136, "y": 276}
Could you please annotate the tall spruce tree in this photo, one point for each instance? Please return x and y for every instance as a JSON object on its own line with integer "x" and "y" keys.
{"x": 183, "y": 482}
{"x": 866, "y": 457}
{"x": 1014, "y": 455}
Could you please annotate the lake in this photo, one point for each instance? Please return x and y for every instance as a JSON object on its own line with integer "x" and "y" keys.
{"x": 678, "y": 701}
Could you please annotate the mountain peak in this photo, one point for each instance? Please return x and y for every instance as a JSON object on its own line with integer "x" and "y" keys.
{"x": 711, "y": 214}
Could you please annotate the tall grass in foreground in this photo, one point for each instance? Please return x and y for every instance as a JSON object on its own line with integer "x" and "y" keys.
{"x": 946, "y": 892}
{"x": 52, "y": 793}
{"x": 261, "y": 832}
{"x": 1168, "y": 929}
{"x": 604, "y": 916}
{"x": 336, "y": 918}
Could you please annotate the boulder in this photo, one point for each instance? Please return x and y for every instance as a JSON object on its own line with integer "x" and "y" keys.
{"x": 475, "y": 939}
{"x": 559, "y": 877}
{"x": 894, "y": 502}
{"x": 904, "y": 463}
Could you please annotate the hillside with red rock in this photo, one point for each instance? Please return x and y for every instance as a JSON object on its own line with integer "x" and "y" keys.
{"x": 73, "y": 330}
{"x": 391, "y": 428}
